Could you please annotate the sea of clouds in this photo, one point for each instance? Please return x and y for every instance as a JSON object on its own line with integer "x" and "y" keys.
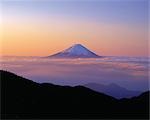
{"x": 129, "y": 72}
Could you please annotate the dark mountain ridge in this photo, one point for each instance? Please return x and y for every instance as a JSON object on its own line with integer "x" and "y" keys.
{"x": 113, "y": 90}
{"x": 23, "y": 98}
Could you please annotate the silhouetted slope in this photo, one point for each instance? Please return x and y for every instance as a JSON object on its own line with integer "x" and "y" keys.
{"x": 22, "y": 98}
{"x": 112, "y": 89}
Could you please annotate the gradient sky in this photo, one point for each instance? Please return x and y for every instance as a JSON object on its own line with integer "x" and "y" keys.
{"x": 41, "y": 28}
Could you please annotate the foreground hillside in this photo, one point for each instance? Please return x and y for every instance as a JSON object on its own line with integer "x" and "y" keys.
{"x": 22, "y": 98}
{"x": 112, "y": 90}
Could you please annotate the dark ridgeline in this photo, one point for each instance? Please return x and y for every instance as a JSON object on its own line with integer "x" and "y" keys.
{"x": 112, "y": 90}
{"x": 22, "y": 98}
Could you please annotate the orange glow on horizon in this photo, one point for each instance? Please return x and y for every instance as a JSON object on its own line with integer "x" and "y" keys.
{"x": 42, "y": 39}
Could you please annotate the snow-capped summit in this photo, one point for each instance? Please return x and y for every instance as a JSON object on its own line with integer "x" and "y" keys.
{"x": 75, "y": 51}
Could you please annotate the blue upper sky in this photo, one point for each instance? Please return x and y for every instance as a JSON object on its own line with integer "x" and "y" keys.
{"x": 119, "y": 11}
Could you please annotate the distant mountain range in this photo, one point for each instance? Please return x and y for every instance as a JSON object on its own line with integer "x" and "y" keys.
{"x": 113, "y": 90}
{"x": 76, "y": 51}
{"x": 23, "y": 98}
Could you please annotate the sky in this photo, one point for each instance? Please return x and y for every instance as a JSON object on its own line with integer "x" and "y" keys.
{"x": 42, "y": 28}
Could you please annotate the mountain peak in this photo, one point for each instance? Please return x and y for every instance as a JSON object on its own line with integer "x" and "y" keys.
{"x": 76, "y": 51}
{"x": 77, "y": 45}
